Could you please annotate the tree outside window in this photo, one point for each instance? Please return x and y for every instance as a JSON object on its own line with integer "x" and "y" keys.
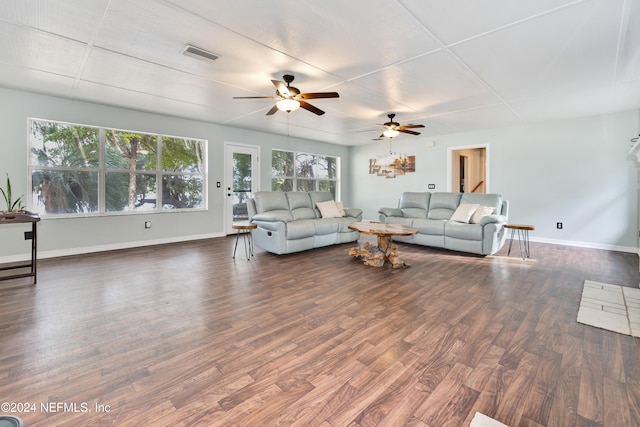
{"x": 79, "y": 169}
{"x": 303, "y": 172}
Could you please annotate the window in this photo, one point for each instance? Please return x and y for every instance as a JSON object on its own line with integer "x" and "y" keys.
{"x": 292, "y": 171}
{"x": 77, "y": 169}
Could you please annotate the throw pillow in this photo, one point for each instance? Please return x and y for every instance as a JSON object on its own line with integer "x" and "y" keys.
{"x": 341, "y": 209}
{"x": 328, "y": 209}
{"x": 480, "y": 213}
{"x": 464, "y": 212}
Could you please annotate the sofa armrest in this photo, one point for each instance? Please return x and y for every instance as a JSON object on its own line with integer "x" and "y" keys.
{"x": 390, "y": 211}
{"x": 273, "y": 216}
{"x": 493, "y": 219}
{"x": 353, "y": 212}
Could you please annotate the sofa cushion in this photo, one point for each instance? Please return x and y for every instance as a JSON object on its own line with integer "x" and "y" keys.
{"x": 298, "y": 199}
{"x": 480, "y": 213}
{"x": 464, "y": 212}
{"x": 414, "y": 205}
{"x": 326, "y": 225}
{"x": 463, "y": 231}
{"x": 328, "y": 209}
{"x": 443, "y": 205}
{"x": 270, "y": 201}
{"x": 491, "y": 200}
{"x": 279, "y": 215}
{"x": 319, "y": 196}
{"x": 301, "y": 229}
{"x": 429, "y": 226}
{"x": 300, "y": 205}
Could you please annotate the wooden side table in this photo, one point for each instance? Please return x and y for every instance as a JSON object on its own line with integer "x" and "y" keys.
{"x": 523, "y": 238}
{"x": 244, "y": 228}
{"x": 23, "y": 218}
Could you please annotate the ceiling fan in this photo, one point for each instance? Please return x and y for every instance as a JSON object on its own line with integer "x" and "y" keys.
{"x": 290, "y": 98}
{"x": 392, "y": 129}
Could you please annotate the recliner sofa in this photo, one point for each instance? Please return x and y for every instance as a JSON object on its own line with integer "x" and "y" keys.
{"x": 291, "y": 221}
{"x": 452, "y": 220}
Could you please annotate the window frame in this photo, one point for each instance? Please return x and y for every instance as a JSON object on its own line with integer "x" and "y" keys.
{"x": 317, "y": 179}
{"x": 102, "y": 171}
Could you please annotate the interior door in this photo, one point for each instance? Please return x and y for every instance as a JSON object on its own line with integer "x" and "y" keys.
{"x": 241, "y": 179}
{"x": 468, "y": 169}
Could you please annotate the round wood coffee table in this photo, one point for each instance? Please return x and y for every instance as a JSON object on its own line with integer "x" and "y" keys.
{"x": 244, "y": 228}
{"x": 523, "y": 238}
{"x": 385, "y": 250}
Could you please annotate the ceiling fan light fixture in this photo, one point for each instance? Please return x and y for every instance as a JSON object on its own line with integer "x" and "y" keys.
{"x": 390, "y": 133}
{"x": 288, "y": 105}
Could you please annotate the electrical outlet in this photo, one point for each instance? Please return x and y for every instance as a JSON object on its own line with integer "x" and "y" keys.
{"x": 559, "y": 225}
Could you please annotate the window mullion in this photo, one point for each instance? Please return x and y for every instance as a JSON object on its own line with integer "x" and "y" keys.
{"x": 159, "y": 181}
{"x": 102, "y": 178}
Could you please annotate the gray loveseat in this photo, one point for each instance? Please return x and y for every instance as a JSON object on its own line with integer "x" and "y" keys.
{"x": 452, "y": 220}
{"x": 291, "y": 222}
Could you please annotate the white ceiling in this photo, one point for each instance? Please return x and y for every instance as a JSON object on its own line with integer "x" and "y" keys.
{"x": 453, "y": 66}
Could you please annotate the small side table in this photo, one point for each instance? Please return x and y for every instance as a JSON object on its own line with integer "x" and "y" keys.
{"x": 23, "y": 218}
{"x": 523, "y": 238}
{"x": 244, "y": 229}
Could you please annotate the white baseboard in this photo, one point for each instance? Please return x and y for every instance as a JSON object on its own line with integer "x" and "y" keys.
{"x": 141, "y": 243}
{"x": 585, "y": 245}
{"x": 110, "y": 247}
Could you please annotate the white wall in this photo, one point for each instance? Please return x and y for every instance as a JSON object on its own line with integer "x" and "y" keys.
{"x": 573, "y": 171}
{"x": 78, "y": 235}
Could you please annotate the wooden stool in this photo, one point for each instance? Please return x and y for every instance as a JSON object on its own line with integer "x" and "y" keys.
{"x": 244, "y": 228}
{"x": 523, "y": 238}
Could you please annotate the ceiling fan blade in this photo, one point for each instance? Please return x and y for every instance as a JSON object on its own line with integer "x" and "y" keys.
{"x": 315, "y": 95}
{"x": 281, "y": 87}
{"x": 272, "y": 110}
{"x": 408, "y": 131}
{"x": 410, "y": 126}
{"x": 311, "y": 108}
{"x": 253, "y": 97}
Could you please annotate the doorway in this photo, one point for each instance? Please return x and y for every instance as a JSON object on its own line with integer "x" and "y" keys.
{"x": 242, "y": 174}
{"x": 468, "y": 169}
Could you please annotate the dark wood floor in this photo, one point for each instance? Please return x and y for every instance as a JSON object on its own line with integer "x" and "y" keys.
{"x": 182, "y": 335}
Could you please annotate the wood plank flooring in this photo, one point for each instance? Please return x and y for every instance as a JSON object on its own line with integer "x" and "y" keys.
{"x": 182, "y": 335}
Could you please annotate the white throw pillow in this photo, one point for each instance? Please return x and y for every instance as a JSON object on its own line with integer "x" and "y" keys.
{"x": 341, "y": 209}
{"x": 480, "y": 213}
{"x": 464, "y": 213}
{"x": 328, "y": 209}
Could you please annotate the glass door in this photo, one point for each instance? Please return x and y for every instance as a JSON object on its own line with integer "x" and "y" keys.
{"x": 242, "y": 175}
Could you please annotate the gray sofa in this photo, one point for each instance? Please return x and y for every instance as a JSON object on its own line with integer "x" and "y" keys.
{"x": 441, "y": 224}
{"x": 291, "y": 222}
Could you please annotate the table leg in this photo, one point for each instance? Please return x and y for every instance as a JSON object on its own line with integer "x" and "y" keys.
{"x": 34, "y": 252}
{"x": 376, "y": 256}
{"x": 248, "y": 244}
{"x": 236, "y": 246}
{"x": 513, "y": 231}
{"x": 523, "y": 241}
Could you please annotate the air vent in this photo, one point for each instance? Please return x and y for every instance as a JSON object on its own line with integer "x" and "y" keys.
{"x": 201, "y": 54}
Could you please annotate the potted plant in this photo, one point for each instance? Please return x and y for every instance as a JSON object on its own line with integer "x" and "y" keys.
{"x": 13, "y": 206}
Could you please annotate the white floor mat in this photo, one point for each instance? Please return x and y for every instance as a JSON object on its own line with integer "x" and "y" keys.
{"x": 611, "y": 307}
{"x": 481, "y": 420}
